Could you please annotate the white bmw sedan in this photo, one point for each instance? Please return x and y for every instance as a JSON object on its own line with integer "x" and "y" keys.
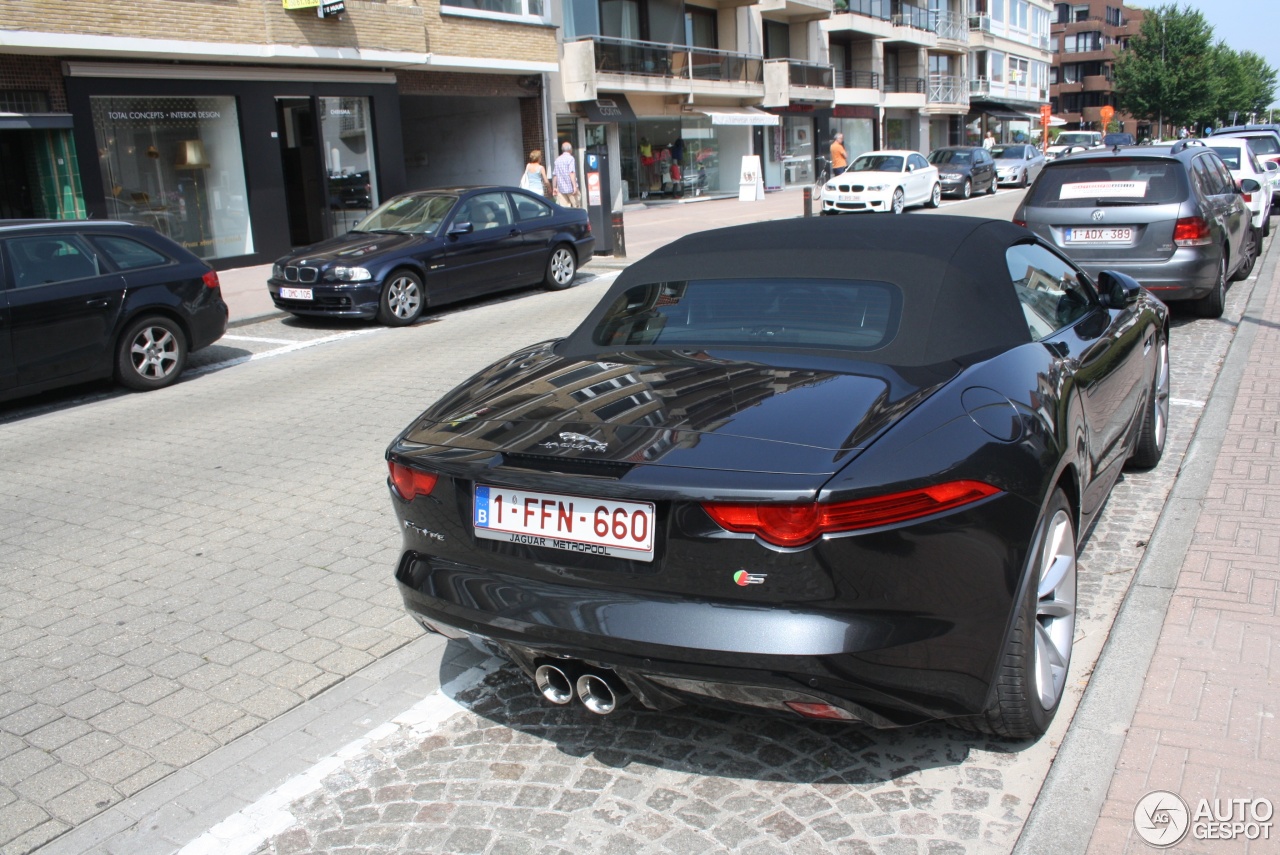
{"x": 883, "y": 181}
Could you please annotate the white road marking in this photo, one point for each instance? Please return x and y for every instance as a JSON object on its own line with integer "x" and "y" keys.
{"x": 247, "y": 829}
{"x": 1183, "y": 402}
{"x": 258, "y": 338}
{"x": 280, "y": 351}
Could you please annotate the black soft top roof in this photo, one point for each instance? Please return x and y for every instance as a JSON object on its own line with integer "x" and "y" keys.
{"x": 958, "y": 301}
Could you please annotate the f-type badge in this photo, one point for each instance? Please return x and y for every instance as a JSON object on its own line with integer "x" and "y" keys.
{"x": 577, "y": 442}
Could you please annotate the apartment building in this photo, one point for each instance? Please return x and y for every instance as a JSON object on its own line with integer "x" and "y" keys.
{"x": 1085, "y": 38}
{"x": 1009, "y": 62}
{"x": 245, "y": 127}
{"x": 700, "y": 84}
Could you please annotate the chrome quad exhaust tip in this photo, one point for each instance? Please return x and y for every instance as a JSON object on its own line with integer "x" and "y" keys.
{"x": 555, "y": 683}
{"x": 600, "y": 694}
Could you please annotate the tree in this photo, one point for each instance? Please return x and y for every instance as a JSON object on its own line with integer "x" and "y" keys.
{"x": 1168, "y": 71}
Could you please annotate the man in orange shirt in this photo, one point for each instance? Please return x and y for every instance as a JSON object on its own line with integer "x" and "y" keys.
{"x": 839, "y": 157}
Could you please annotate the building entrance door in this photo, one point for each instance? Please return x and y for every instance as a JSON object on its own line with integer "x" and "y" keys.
{"x": 302, "y": 158}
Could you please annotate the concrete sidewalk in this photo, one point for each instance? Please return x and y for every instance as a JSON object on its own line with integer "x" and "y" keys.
{"x": 1183, "y": 701}
{"x": 647, "y": 227}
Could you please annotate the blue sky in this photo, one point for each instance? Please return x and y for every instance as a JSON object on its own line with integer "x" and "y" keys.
{"x": 1242, "y": 24}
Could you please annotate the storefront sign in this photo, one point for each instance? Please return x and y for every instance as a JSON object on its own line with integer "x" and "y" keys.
{"x": 853, "y": 111}
{"x": 324, "y": 8}
{"x": 609, "y": 108}
{"x": 751, "y": 180}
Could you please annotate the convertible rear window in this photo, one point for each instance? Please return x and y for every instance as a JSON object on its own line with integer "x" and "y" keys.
{"x": 804, "y": 313}
{"x": 1090, "y": 183}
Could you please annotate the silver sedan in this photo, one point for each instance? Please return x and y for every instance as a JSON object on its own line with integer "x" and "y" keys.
{"x": 1017, "y": 165}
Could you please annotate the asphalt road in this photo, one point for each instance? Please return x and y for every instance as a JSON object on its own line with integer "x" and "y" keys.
{"x": 203, "y": 646}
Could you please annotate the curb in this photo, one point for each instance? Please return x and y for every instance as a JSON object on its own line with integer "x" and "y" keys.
{"x": 1070, "y": 802}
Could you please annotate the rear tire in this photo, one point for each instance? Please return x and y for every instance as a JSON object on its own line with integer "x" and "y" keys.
{"x": 992, "y": 187}
{"x": 1155, "y": 423}
{"x": 1248, "y": 254}
{"x": 1032, "y": 676}
{"x": 562, "y": 266}
{"x": 1212, "y": 304}
{"x": 151, "y": 354}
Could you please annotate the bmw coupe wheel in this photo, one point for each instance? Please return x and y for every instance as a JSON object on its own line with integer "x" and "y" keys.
{"x": 151, "y": 354}
{"x": 1155, "y": 423}
{"x": 1212, "y": 304}
{"x": 897, "y": 204}
{"x": 1033, "y": 670}
{"x": 561, "y": 268}
{"x": 402, "y": 299}
{"x": 967, "y": 190}
{"x": 935, "y": 198}
{"x": 1248, "y": 254}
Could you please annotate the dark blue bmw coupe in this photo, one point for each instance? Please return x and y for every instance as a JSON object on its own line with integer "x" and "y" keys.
{"x": 432, "y": 247}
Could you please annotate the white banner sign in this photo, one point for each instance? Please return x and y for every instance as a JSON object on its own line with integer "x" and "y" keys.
{"x": 751, "y": 181}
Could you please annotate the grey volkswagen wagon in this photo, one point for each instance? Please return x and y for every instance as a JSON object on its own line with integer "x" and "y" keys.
{"x": 1169, "y": 216}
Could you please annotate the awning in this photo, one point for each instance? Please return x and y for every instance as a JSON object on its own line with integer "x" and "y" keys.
{"x": 609, "y": 108}
{"x": 736, "y": 115}
{"x": 1007, "y": 114}
{"x": 34, "y": 121}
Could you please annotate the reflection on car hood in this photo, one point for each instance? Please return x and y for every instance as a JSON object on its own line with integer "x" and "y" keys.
{"x": 863, "y": 177}
{"x": 353, "y": 246}
{"x": 688, "y": 409}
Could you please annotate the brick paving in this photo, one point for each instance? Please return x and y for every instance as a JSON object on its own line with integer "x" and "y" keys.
{"x": 202, "y": 580}
{"x": 1205, "y": 726}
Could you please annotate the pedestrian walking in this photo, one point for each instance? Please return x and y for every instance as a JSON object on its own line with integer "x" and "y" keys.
{"x": 535, "y": 178}
{"x": 989, "y": 141}
{"x": 565, "y": 178}
{"x": 839, "y": 157}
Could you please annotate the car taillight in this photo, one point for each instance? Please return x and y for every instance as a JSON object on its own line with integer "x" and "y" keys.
{"x": 210, "y": 279}
{"x": 796, "y": 525}
{"x": 411, "y": 483}
{"x": 1022, "y": 223}
{"x": 1191, "y": 231}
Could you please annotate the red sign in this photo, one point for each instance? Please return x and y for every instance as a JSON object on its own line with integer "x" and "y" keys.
{"x": 1107, "y": 112}
{"x": 1046, "y": 113}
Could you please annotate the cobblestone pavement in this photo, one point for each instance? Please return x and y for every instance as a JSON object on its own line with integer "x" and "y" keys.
{"x": 510, "y": 774}
{"x": 185, "y": 568}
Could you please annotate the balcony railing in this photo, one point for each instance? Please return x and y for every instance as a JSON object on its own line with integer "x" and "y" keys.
{"x": 980, "y": 22}
{"x": 912, "y": 16}
{"x": 867, "y": 8}
{"x": 849, "y": 79}
{"x": 947, "y": 89}
{"x": 979, "y": 86}
{"x": 810, "y": 74}
{"x": 952, "y": 26}
{"x": 653, "y": 59}
{"x": 904, "y": 84}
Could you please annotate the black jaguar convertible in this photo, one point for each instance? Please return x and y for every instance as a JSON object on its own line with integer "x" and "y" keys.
{"x": 829, "y": 469}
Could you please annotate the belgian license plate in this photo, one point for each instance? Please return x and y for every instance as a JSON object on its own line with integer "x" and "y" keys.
{"x": 572, "y": 523}
{"x": 1109, "y": 234}
{"x": 295, "y": 294}
{"x": 850, "y": 197}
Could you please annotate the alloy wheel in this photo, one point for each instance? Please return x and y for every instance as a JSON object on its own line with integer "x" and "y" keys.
{"x": 1055, "y": 622}
{"x": 562, "y": 266}
{"x": 154, "y": 352}
{"x": 1160, "y": 404}
{"x": 897, "y": 201}
{"x": 403, "y": 297}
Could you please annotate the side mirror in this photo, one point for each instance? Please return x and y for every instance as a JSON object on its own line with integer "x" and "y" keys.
{"x": 1248, "y": 185}
{"x": 1118, "y": 289}
{"x": 461, "y": 229}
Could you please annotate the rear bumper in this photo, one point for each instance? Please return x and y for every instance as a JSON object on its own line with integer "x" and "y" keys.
{"x": 1190, "y": 273}
{"x": 208, "y": 322}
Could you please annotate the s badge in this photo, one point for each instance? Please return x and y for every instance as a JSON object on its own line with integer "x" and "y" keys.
{"x": 743, "y": 578}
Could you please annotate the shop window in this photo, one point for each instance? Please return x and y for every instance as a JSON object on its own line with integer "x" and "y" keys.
{"x": 175, "y": 164}
{"x": 347, "y": 132}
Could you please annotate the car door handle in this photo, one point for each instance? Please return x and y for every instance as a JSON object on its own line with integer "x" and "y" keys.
{"x": 97, "y": 304}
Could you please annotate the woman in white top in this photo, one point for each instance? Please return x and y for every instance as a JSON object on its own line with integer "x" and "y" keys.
{"x": 535, "y": 178}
